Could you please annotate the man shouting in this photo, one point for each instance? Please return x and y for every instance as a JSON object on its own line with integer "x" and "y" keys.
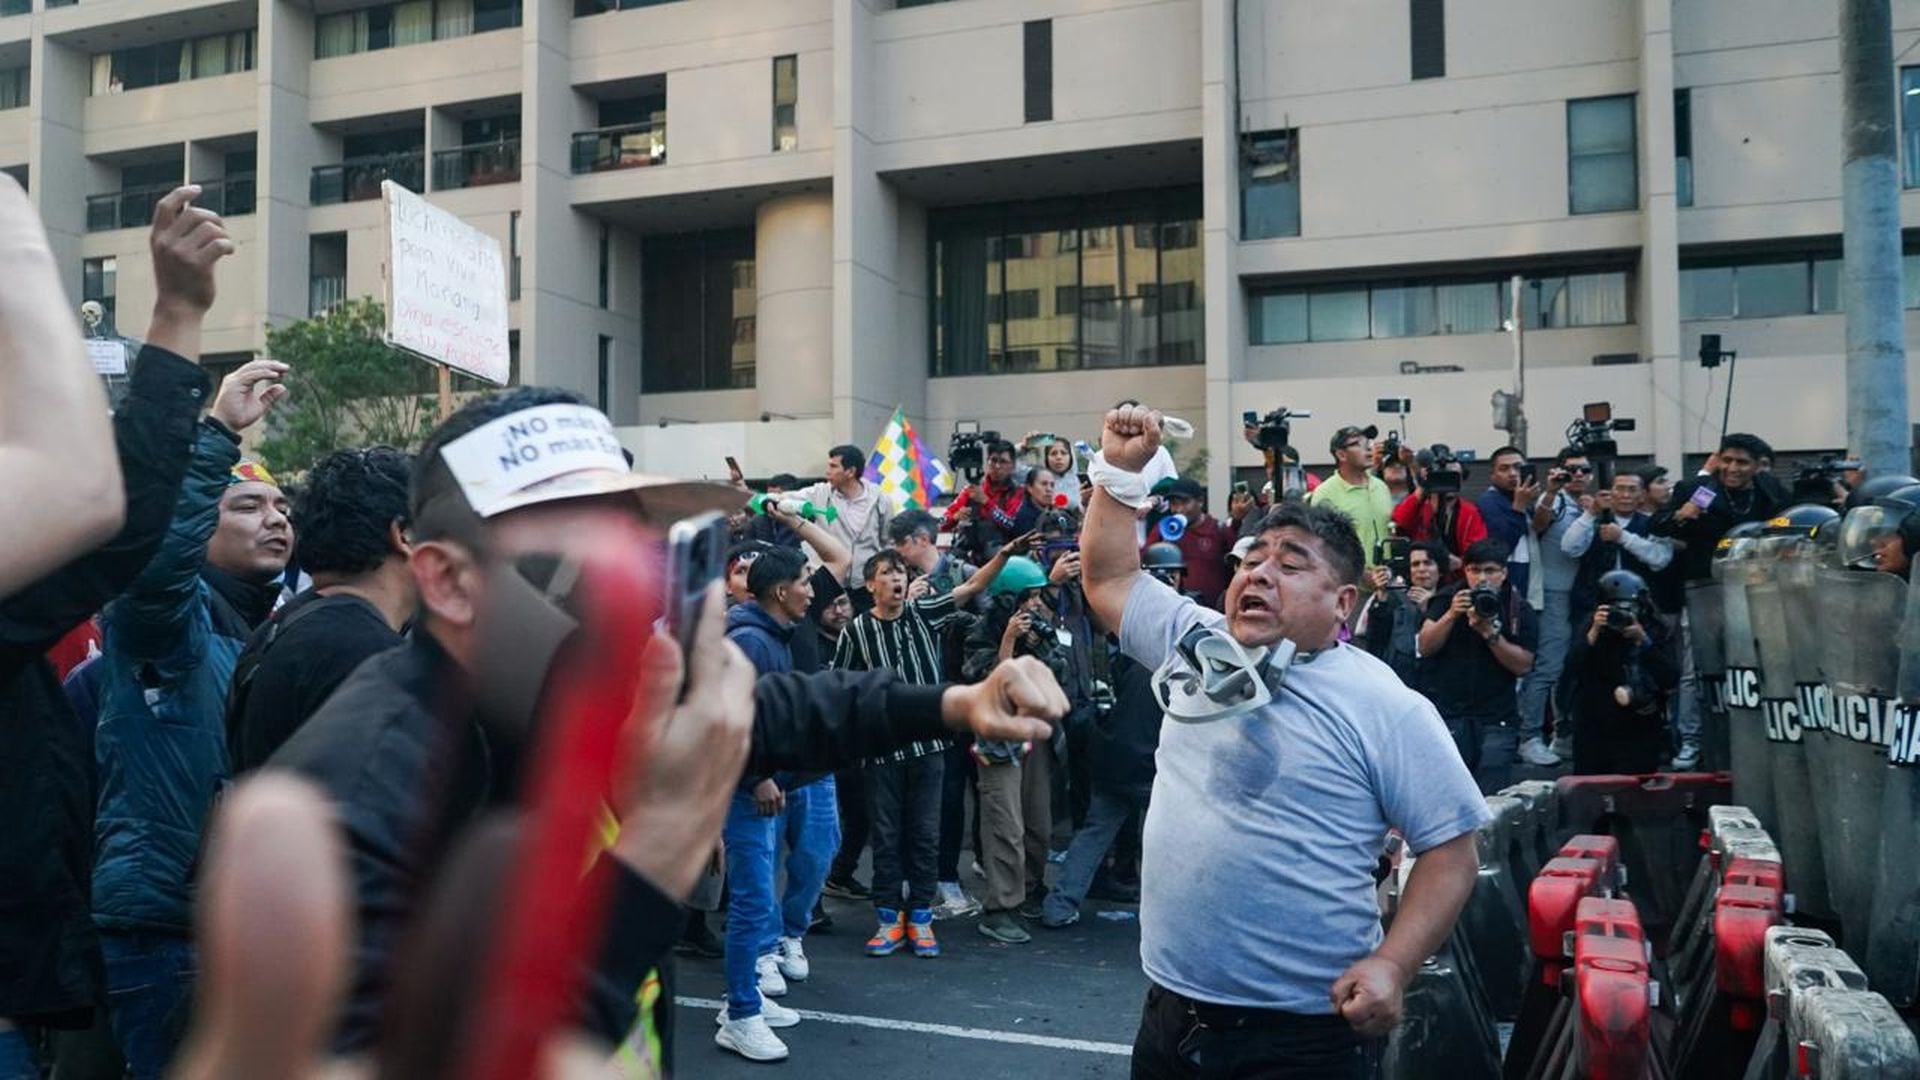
{"x": 1286, "y": 758}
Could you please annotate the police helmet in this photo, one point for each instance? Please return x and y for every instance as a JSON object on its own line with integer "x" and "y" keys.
{"x": 1622, "y": 587}
{"x": 1163, "y": 556}
{"x": 1875, "y": 487}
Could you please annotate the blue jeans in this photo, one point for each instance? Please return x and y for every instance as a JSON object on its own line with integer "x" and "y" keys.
{"x": 16, "y": 1057}
{"x": 149, "y": 996}
{"x": 751, "y": 917}
{"x": 1107, "y": 813}
{"x": 811, "y": 828}
{"x": 1556, "y": 634}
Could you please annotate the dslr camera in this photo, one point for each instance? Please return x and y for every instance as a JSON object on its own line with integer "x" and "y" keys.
{"x": 1486, "y": 601}
{"x": 967, "y": 453}
{"x": 1443, "y": 469}
{"x": 1621, "y": 617}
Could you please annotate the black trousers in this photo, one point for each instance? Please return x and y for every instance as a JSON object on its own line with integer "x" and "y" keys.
{"x": 903, "y": 801}
{"x": 956, "y": 771}
{"x": 850, "y": 791}
{"x": 1174, "y": 1044}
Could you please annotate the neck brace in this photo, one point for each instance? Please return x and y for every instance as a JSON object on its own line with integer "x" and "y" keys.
{"x": 1210, "y": 676}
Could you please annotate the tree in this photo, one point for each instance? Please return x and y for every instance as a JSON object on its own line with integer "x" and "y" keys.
{"x": 346, "y": 388}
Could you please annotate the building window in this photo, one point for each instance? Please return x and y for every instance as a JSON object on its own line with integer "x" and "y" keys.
{"x": 786, "y": 96}
{"x": 1270, "y": 185}
{"x": 1063, "y": 285}
{"x": 513, "y": 255}
{"x": 97, "y": 283}
{"x": 326, "y": 272}
{"x": 1417, "y": 308}
{"x": 1601, "y": 157}
{"x": 13, "y": 88}
{"x": 606, "y": 262}
{"x": 698, "y": 308}
{"x": 606, "y": 372}
{"x": 413, "y": 22}
{"x": 1038, "y": 40}
{"x": 1770, "y": 288}
{"x": 1910, "y": 125}
{"x": 173, "y": 61}
{"x": 1427, "y": 21}
{"x": 1683, "y": 147}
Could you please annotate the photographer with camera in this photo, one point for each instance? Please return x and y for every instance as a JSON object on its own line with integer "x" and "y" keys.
{"x": 1554, "y": 512}
{"x": 982, "y": 515}
{"x": 1605, "y": 539}
{"x": 1725, "y": 494}
{"x": 1435, "y": 511}
{"x": 1016, "y": 778}
{"x": 1507, "y": 508}
{"x": 1479, "y": 639}
{"x": 1624, "y": 666}
{"x": 1403, "y": 585}
{"x": 1353, "y": 490}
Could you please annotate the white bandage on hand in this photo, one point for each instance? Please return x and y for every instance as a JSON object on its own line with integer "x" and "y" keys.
{"x": 1134, "y": 489}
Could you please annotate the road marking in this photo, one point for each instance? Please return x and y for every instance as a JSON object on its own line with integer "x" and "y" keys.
{"x": 1021, "y": 1038}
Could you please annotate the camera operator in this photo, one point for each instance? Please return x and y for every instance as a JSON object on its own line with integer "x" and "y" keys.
{"x": 1478, "y": 639}
{"x": 1624, "y": 666}
{"x": 1353, "y": 490}
{"x": 986, "y": 509}
{"x": 1725, "y": 494}
{"x": 1554, "y": 512}
{"x": 1435, "y": 511}
{"x": 1507, "y": 508}
{"x": 1390, "y": 622}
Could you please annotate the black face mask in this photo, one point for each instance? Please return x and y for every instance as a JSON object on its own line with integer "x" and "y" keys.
{"x": 251, "y": 600}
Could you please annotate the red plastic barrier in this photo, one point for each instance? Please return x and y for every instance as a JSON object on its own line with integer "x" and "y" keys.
{"x": 1605, "y": 849}
{"x": 1611, "y": 990}
{"x": 1752, "y": 897}
{"x": 1553, "y": 901}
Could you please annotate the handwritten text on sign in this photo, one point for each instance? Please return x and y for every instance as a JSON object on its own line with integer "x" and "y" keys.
{"x": 447, "y": 287}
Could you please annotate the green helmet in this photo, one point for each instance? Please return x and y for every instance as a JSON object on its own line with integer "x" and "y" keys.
{"x": 1019, "y": 575}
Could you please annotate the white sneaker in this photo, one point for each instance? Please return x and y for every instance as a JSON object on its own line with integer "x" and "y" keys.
{"x": 1562, "y": 746}
{"x": 792, "y": 959}
{"x": 1535, "y": 752}
{"x": 1688, "y": 758}
{"x": 953, "y": 902}
{"x": 751, "y": 1039}
{"x": 775, "y": 1014}
{"x": 772, "y": 983}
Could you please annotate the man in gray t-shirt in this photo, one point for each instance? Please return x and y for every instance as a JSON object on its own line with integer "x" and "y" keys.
{"x": 1259, "y": 926}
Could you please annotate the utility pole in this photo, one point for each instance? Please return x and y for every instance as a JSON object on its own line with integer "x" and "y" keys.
{"x": 1877, "y": 431}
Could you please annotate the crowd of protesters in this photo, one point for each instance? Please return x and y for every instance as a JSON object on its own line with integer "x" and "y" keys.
{"x": 303, "y": 699}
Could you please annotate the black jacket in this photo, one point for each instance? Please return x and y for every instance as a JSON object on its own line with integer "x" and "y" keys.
{"x": 1701, "y": 535}
{"x": 1121, "y": 744}
{"x": 49, "y": 958}
{"x": 407, "y": 783}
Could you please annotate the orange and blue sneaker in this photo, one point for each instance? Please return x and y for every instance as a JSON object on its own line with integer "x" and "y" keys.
{"x": 920, "y": 932}
{"x": 892, "y": 933}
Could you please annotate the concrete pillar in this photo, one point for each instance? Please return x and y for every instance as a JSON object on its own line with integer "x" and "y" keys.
{"x": 289, "y": 148}
{"x": 559, "y": 289}
{"x": 443, "y": 133}
{"x": 59, "y": 176}
{"x": 793, "y": 265}
{"x": 1226, "y": 323}
{"x": 1660, "y": 236}
{"x": 205, "y": 163}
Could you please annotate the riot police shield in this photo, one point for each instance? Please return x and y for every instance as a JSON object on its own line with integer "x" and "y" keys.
{"x": 1858, "y": 614}
{"x": 1796, "y": 829}
{"x": 1814, "y": 705}
{"x": 1707, "y": 638}
{"x": 1746, "y": 728}
{"x": 1893, "y": 951}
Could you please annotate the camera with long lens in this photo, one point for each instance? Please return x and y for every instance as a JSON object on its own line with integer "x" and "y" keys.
{"x": 1442, "y": 469}
{"x": 1593, "y": 433}
{"x": 1814, "y": 483}
{"x": 1486, "y": 601}
{"x": 1041, "y": 634}
{"x": 1390, "y": 447}
{"x": 967, "y": 453}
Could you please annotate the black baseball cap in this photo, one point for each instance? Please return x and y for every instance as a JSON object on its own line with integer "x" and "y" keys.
{"x": 1347, "y": 434}
{"x": 1184, "y": 488}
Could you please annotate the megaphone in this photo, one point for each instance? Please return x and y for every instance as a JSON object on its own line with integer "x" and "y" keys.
{"x": 1173, "y": 527}
{"x": 787, "y": 504}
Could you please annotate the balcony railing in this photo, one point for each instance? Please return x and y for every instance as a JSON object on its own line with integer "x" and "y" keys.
{"x": 626, "y": 146}
{"x": 496, "y": 162}
{"x": 230, "y": 197}
{"x": 359, "y": 178}
{"x": 325, "y": 293}
{"x": 128, "y": 209}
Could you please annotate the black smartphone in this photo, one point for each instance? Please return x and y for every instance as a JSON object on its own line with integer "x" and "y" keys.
{"x": 1240, "y": 488}
{"x": 1528, "y": 473}
{"x": 695, "y": 549}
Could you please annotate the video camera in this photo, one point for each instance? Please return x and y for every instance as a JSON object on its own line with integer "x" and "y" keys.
{"x": 1592, "y": 434}
{"x": 1400, "y": 407}
{"x": 1274, "y": 431}
{"x": 967, "y": 453}
{"x": 1815, "y": 483}
{"x": 1443, "y": 469}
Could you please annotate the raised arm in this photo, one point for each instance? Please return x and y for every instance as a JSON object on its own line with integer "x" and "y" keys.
{"x": 964, "y": 593}
{"x": 1109, "y": 554}
{"x": 834, "y": 555}
{"x": 59, "y": 475}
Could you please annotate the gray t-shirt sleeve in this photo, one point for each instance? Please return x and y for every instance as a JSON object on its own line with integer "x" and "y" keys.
{"x": 1425, "y": 789}
{"x": 1155, "y": 619}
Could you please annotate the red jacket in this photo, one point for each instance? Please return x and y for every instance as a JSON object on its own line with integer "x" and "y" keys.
{"x": 1204, "y": 547}
{"x": 1414, "y": 518}
{"x": 1002, "y": 506}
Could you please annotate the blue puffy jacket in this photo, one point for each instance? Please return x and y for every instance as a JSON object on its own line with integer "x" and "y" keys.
{"x": 169, "y": 649}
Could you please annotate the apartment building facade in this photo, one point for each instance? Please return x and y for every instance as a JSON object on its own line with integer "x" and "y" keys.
{"x": 755, "y": 227}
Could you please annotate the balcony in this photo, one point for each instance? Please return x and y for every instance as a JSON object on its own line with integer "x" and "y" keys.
{"x": 359, "y": 178}
{"x": 496, "y": 162}
{"x": 625, "y": 146}
{"x": 325, "y": 293}
{"x": 230, "y": 197}
{"x": 128, "y": 209}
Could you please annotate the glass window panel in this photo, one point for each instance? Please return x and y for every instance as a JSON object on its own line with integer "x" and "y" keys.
{"x": 1337, "y": 314}
{"x": 1597, "y": 299}
{"x": 1765, "y": 290}
{"x": 1600, "y": 183}
{"x": 1706, "y": 292}
{"x": 209, "y": 57}
{"x": 1600, "y": 125}
{"x": 1910, "y": 280}
{"x": 1827, "y": 296}
{"x": 1270, "y": 187}
{"x": 1601, "y": 155}
{"x": 1279, "y": 318}
{"x": 1543, "y": 303}
{"x": 334, "y": 36}
{"x": 413, "y": 22}
{"x": 1403, "y": 311}
{"x": 1468, "y": 308}
{"x": 452, "y": 18}
{"x": 1910, "y": 125}
{"x": 1036, "y": 331}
